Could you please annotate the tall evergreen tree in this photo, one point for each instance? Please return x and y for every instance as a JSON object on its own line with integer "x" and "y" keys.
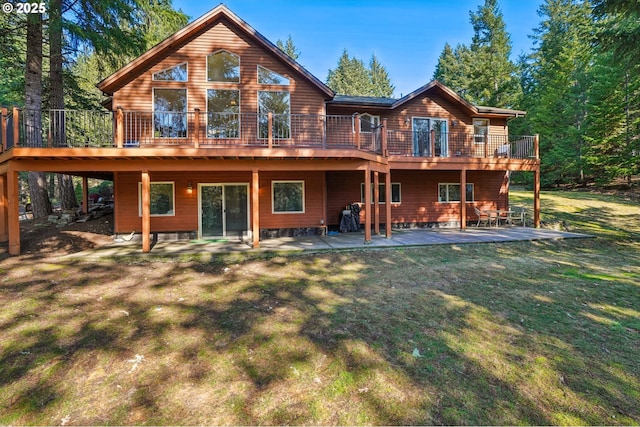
{"x": 482, "y": 72}
{"x": 556, "y": 96}
{"x": 40, "y": 203}
{"x": 380, "y": 83}
{"x": 493, "y": 75}
{"x": 352, "y": 77}
{"x": 613, "y": 119}
{"x": 289, "y": 48}
{"x": 453, "y": 68}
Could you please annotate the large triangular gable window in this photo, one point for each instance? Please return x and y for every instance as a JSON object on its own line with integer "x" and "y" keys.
{"x": 173, "y": 74}
{"x": 223, "y": 67}
{"x": 268, "y": 77}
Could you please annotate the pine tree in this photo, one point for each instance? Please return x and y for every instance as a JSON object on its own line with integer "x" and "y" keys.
{"x": 482, "y": 72}
{"x": 613, "y": 119}
{"x": 380, "y": 83}
{"x": 352, "y": 77}
{"x": 289, "y": 48}
{"x": 556, "y": 96}
{"x": 40, "y": 203}
{"x": 453, "y": 68}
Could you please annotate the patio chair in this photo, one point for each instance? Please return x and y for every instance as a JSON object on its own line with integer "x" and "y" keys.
{"x": 517, "y": 214}
{"x": 483, "y": 217}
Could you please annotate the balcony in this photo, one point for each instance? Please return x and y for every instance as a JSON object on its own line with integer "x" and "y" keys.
{"x": 144, "y": 129}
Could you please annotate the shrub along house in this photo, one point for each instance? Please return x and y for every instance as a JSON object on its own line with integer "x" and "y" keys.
{"x": 216, "y": 132}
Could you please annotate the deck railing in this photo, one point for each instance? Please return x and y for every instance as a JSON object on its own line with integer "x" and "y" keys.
{"x": 458, "y": 144}
{"x": 140, "y": 129}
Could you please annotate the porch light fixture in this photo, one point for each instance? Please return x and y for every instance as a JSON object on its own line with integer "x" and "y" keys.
{"x": 189, "y": 188}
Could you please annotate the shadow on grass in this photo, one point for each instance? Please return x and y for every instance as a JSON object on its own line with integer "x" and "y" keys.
{"x": 523, "y": 333}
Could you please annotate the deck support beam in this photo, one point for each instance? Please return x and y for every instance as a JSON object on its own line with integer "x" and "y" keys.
{"x": 536, "y": 198}
{"x": 146, "y": 212}
{"x": 255, "y": 208}
{"x": 13, "y": 213}
{"x": 85, "y": 195}
{"x": 4, "y": 210}
{"x": 387, "y": 204}
{"x": 376, "y": 202}
{"x": 367, "y": 203}
{"x": 463, "y": 199}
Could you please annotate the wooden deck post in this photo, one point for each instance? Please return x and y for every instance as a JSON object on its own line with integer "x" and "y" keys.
{"x": 376, "y": 202}
{"x": 255, "y": 208}
{"x": 146, "y": 212}
{"x": 16, "y": 126}
{"x": 356, "y": 124}
{"x": 536, "y": 145}
{"x": 463, "y": 199}
{"x": 4, "y": 210}
{"x": 119, "y": 116}
{"x": 432, "y": 135}
{"x": 486, "y": 143}
{"x": 196, "y": 125}
{"x": 383, "y": 140}
{"x": 536, "y": 197}
{"x": 13, "y": 213}
{"x": 85, "y": 195}
{"x": 270, "y": 128}
{"x": 387, "y": 206}
{"x": 3, "y": 129}
{"x": 367, "y": 203}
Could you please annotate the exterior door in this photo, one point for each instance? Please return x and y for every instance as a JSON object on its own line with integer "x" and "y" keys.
{"x": 428, "y": 131}
{"x": 223, "y": 210}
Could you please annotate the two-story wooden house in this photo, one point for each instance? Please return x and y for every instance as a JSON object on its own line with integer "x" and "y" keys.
{"x": 216, "y": 132}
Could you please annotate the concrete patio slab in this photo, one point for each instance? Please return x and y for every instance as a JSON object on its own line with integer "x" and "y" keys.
{"x": 343, "y": 241}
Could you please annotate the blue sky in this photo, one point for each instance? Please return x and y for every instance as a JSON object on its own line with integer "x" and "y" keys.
{"x": 407, "y": 36}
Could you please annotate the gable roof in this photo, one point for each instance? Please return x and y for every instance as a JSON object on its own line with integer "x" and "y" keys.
{"x": 434, "y": 85}
{"x": 186, "y": 34}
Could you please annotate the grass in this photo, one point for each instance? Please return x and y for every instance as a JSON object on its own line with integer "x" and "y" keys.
{"x": 517, "y": 333}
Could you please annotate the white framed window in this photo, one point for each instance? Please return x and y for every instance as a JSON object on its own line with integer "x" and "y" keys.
{"x": 450, "y": 192}
{"x": 395, "y": 192}
{"x": 268, "y": 77}
{"x": 480, "y": 130}
{"x": 368, "y": 123}
{"x": 162, "y": 199}
{"x": 223, "y": 67}
{"x": 178, "y": 73}
{"x": 287, "y": 197}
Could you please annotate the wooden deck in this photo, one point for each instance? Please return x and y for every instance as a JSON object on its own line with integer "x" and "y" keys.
{"x": 73, "y": 135}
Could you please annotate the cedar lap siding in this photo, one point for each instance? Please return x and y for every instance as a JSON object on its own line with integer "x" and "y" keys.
{"x": 326, "y": 154}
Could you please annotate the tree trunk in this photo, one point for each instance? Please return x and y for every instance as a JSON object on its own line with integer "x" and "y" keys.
{"x": 65, "y": 182}
{"x": 40, "y": 203}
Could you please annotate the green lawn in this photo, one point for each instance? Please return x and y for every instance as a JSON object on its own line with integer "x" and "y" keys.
{"x": 517, "y": 333}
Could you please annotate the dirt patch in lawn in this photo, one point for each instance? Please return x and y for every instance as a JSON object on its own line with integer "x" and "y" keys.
{"x": 40, "y": 239}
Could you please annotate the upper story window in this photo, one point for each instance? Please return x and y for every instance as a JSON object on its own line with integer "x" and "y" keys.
{"x": 223, "y": 113}
{"x": 268, "y": 77}
{"x": 173, "y": 74}
{"x": 368, "y": 122}
{"x": 480, "y": 130}
{"x": 170, "y": 113}
{"x": 223, "y": 67}
{"x": 279, "y": 105}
